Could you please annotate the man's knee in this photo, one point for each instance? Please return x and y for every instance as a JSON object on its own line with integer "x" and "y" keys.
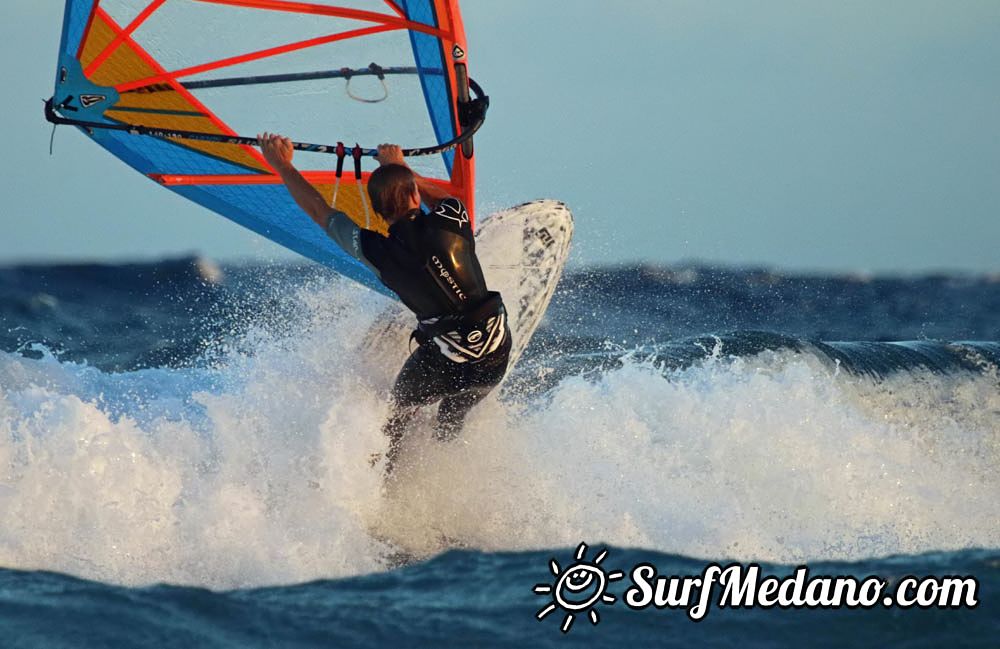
{"x": 398, "y": 421}
{"x": 453, "y": 410}
{"x": 449, "y": 425}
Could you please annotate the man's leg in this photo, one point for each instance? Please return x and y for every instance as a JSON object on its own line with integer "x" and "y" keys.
{"x": 419, "y": 383}
{"x": 394, "y": 429}
{"x": 454, "y": 408}
{"x": 477, "y": 381}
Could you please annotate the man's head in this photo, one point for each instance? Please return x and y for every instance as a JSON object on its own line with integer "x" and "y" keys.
{"x": 393, "y": 191}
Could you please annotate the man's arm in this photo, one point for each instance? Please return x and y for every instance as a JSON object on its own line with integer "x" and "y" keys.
{"x": 338, "y": 226}
{"x": 278, "y": 152}
{"x": 431, "y": 194}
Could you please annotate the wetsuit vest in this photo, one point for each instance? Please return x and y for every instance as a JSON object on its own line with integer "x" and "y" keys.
{"x": 429, "y": 261}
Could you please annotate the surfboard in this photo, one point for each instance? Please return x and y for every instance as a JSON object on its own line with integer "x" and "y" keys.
{"x": 523, "y": 251}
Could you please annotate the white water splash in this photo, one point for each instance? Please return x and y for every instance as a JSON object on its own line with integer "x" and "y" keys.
{"x": 257, "y": 471}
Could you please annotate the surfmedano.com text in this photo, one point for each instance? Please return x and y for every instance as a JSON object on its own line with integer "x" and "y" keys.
{"x": 738, "y": 586}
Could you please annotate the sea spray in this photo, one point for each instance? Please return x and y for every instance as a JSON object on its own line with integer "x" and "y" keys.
{"x": 257, "y": 469}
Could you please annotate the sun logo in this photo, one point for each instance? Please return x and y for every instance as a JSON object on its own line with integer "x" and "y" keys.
{"x": 578, "y": 588}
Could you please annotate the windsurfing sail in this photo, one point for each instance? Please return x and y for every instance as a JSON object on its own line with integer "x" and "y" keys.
{"x": 178, "y": 90}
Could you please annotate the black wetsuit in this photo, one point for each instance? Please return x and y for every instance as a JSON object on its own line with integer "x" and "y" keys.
{"x": 429, "y": 260}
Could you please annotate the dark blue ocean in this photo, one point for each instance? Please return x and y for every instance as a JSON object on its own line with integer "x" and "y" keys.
{"x": 185, "y": 459}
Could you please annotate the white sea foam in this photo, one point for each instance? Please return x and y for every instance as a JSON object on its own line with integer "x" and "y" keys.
{"x": 257, "y": 471}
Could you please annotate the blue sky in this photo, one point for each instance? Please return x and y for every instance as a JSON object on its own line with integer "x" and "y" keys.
{"x": 848, "y": 136}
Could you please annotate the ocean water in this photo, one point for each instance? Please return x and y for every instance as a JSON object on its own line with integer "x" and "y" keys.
{"x": 185, "y": 459}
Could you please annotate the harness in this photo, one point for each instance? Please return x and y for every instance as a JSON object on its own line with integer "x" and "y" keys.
{"x": 431, "y": 264}
{"x": 469, "y": 332}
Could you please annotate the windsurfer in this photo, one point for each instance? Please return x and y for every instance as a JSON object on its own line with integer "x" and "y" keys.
{"x": 429, "y": 260}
